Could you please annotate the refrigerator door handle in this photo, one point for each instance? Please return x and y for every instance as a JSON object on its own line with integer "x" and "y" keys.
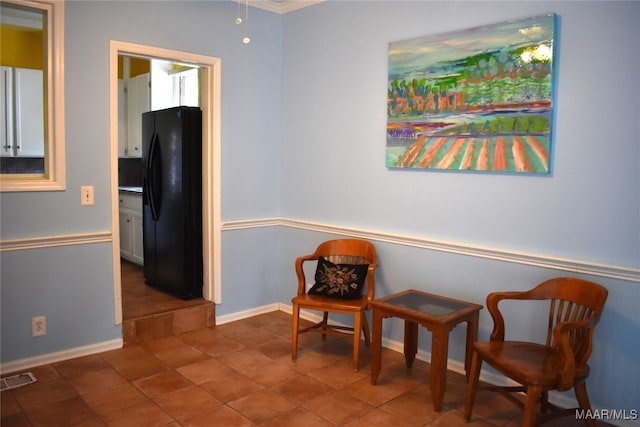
{"x": 150, "y": 182}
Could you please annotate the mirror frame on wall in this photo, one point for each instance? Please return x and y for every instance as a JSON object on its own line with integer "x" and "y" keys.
{"x": 54, "y": 177}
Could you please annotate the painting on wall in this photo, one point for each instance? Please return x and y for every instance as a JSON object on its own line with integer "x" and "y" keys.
{"x": 479, "y": 99}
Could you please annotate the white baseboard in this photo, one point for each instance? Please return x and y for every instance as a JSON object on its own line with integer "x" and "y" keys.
{"x": 44, "y": 359}
{"x": 221, "y": 320}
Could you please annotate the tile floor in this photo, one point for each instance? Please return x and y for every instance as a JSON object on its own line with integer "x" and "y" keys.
{"x": 241, "y": 374}
{"x": 140, "y": 300}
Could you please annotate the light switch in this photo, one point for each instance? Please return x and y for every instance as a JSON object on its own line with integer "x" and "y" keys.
{"x": 86, "y": 195}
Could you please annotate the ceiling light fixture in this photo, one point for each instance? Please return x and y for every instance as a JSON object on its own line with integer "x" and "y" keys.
{"x": 246, "y": 38}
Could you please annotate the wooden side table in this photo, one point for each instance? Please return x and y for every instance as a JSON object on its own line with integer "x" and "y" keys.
{"x": 436, "y": 313}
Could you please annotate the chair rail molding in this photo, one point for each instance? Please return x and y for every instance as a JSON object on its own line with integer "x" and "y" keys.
{"x": 40, "y": 242}
{"x": 579, "y": 266}
{"x": 611, "y": 271}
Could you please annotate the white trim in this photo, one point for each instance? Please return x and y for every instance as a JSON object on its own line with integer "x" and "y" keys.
{"x": 44, "y": 359}
{"x": 54, "y": 241}
{"x": 211, "y": 161}
{"x": 113, "y": 182}
{"x": 461, "y": 248}
{"x": 534, "y": 259}
{"x": 281, "y": 6}
{"x": 252, "y": 223}
{"x": 55, "y": 173}
{"x": 239, "y": 315}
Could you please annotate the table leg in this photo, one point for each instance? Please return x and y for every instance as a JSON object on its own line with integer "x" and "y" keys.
{"x": 376, "y": 344}
{"x": 410, "y": 342}
{"x": 439, "y": 355}
{"x": 472, "y": 336}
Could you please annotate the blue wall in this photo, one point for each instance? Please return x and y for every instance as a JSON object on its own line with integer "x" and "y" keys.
{"x": 291, "y": 150}
{"x": 587, "y": 209}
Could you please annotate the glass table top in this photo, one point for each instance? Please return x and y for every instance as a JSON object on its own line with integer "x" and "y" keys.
{"x": 426, "y": 304}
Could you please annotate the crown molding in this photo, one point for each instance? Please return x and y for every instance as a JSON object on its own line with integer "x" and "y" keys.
{"x": 280, "y": 6}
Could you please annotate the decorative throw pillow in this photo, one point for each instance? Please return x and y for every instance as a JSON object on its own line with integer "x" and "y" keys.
{"x": 339, "y": 280}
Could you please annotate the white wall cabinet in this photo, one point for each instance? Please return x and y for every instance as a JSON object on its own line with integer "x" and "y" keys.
{"x": 22, "y": 115}
{"x": 134, "y": 98}
{"x": 131, "y": 227}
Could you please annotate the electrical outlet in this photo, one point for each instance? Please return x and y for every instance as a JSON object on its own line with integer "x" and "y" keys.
{"x": 86, "y": 195}
{"x": 38, "y": 326}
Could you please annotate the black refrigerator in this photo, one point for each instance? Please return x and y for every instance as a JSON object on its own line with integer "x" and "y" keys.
{"x": 172, "y": 200}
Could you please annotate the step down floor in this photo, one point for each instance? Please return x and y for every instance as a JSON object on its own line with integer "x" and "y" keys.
{"x": 168, "y": 323}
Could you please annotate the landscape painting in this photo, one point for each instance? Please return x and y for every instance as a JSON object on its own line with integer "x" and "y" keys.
{"x": 480, "y": 99}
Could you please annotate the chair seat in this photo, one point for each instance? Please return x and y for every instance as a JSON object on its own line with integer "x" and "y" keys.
{"x": 525, "y": 362}
{"x": 320, "y": 302}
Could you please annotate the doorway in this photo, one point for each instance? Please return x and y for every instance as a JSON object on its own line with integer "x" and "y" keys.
{"x": 210, "y": 103}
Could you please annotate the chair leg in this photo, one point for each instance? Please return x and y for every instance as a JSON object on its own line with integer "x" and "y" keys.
{"x": 472, "y": 385}
{"x": 365, "y": 329}
{"x": 294, "y": 331}
{"x": 583, "y": 400}
{"x": 357, "y": 326}
{"x": 545, "y": 406}
{"x": 325, "y": 318}
{"x": 530, "y": 415}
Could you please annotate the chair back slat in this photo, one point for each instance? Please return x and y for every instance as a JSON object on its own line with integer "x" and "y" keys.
{"x": 572, "y": 301}
{"x": 552, "y": 323}
{"x": 347, "y": 259}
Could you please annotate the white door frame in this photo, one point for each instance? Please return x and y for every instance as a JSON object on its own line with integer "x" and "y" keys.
{"x": 211, "y": 186}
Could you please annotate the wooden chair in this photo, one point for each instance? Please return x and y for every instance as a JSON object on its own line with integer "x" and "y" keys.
{"x": 559, "y": 364}
{"x": 343, "y": 251}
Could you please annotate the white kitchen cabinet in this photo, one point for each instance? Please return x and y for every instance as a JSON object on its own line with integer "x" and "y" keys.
{"x": 138, "y": 95}
{"x": 131, "y": 227}
{"x": 137, "y": 250}
{"x": 22, "y": 112}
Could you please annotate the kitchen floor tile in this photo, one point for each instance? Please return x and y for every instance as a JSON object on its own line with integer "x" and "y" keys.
{"x": 87, "y": 382}
{"x": 42, "y": 393}
{"x": 338, "y": 407}
{"x": 234, "y": 386}
{"x": 220, "y": 416}
{"x": 161, "y": 383}
{"x": 187, "y": 402}
{"x": 262, "y": 406}
{"x": 303, "y": 388}
{"x": 298, "y": 417}
{"x": 67, "y": 412}
{"x": 117, "y": 397}
{"x": 205, "y": 371}
{"x": 146, "y": 413}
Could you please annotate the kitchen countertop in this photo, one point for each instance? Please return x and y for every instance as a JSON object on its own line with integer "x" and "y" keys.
{"x": 131, "y": 189}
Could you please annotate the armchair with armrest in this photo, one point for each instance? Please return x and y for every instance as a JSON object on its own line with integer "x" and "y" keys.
{"x": 352, "y": 257}
{"x": 560, "y": 364}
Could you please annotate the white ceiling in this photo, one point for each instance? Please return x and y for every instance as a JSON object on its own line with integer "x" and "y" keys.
{"x": 280, "y": 6}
